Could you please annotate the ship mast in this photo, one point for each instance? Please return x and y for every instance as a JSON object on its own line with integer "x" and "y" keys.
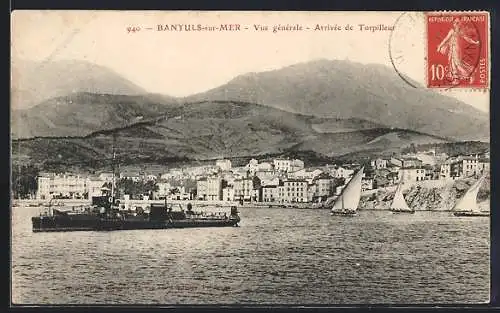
{"x": 113, "y": 172}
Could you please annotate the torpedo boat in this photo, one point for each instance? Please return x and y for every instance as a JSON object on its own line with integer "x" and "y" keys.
{"x": 102, "y": 215}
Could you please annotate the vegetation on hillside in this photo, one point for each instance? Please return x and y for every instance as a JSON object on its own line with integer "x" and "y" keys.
{"x": 450, "y": 148}
{"x": 24, "y": 181}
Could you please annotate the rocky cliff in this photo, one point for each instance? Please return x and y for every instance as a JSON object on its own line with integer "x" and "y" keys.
{"x": 428, "y": 195}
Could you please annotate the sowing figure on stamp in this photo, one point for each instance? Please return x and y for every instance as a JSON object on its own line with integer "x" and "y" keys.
{"x": 452, "y": 45}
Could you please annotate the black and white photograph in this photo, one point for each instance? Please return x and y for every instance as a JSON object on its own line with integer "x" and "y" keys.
{"x": 250, "y": 158}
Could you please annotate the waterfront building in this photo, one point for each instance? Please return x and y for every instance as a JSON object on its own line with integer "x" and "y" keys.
{"x": 228, "y": 193}
{"x": 214, "y": 188}
{"x": 324, "y": 183}
{"x": 294, "y": 190}
{"x": 94, "y": 187}
{"x": 270, "y": 193}
{"x": 202, "y": 189}
{"x": 243, "y": 189}
{"x": 67, "y": 186}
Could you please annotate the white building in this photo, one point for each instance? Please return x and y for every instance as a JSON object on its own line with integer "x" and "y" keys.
{"x": 62, "y": 186}
{"x": 307, "y": 174}
{"x": 412, "y": 174}
{"x": 163, "y": 188}
{"x": 265, "y": 166}
{"x": 243, "y": 189}
{"x": 445, "y": 170}
{"x": 366, "y": 184}
{"x": 379, "y": 163}
{"x": 252, "y": 166}
{"x": 484, "y": 166}
{"x": 270, "y": 182}
{"x": 228, "y": 193}
{"x": 202, "y": 188}
{"x": 94, "y": 187}
{"x": 296, "y": 165}
{"x": 282, "y": 165}
{"x": 106, "y": 177}
{"x": 223, "y": 164}
{"x": 270, "y": 193}
{"x": 342, "y": 172}
{"x": 324, "y": 184}
{"x": 294, "y": 191}
{"x": 151, "y": 177}
{"x": 214, "y": 188}
{"x": 265, "y": 175}
{"x": 136, "y": 177}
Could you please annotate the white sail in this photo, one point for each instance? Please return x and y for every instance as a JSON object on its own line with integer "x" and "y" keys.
{"x": 468, "y": 202}
{"x": 349, "y": 198}
{"x": 399, "y": 202}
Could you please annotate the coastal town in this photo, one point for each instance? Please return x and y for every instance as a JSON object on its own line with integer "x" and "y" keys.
{"x": 283, "y": 181}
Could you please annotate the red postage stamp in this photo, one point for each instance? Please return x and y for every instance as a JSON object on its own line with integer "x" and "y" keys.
{"x": 457, "y": 50}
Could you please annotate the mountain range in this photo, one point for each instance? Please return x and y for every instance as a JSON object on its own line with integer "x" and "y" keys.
{"x": 327, "y": 108}
{"x": 344, "y": 89}
{"x": 34, "y": 82}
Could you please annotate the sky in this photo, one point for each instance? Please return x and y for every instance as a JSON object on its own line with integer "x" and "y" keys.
{"x": 183, "y": 63}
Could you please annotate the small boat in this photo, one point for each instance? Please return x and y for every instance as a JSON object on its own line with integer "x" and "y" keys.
{"x": 467, "y": 205}
{"x": 347, "y": 202}
{"x": 399, "y": 204}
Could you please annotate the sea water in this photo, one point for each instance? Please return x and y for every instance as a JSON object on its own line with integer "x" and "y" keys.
{"x": 276, "y": 256}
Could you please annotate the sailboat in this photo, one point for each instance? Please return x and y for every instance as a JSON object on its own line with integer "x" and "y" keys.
{"x": 347, "y": 202}
{"x": 467, "y": 205}
{"x": 399, "y": 204}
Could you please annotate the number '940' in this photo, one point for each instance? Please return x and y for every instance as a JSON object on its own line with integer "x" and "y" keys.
{"x": 133, "y": 29}
{"x": 438, "y": 71}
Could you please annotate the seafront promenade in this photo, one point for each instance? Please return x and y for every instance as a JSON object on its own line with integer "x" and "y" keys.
{"x": 143, "y": 203}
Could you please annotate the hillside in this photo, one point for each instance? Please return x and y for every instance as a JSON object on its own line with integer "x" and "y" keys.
{"x": 80, "y": 114}
{"x": 434, "y": 198}
{"x": 90, "y": 98}
{"x": 344, "y": 89}
{"x": 34, "y": 82}
{"x": 209, "y": 130}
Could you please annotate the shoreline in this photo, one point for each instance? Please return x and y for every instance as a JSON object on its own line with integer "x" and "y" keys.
{"x": 198, "y": 204}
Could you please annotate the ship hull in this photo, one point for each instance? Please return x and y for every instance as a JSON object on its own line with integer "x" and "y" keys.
{"x": 344, "y": 213}
{"x": 403, "y": 212}
{"x": 64, "y": 224}
{"x": 471, "y": 214}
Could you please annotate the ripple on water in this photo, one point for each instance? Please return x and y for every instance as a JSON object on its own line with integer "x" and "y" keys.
{"x": 277, "y": 256}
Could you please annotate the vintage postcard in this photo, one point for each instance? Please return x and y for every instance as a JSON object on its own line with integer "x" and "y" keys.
{"x": 250, "y": 158}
